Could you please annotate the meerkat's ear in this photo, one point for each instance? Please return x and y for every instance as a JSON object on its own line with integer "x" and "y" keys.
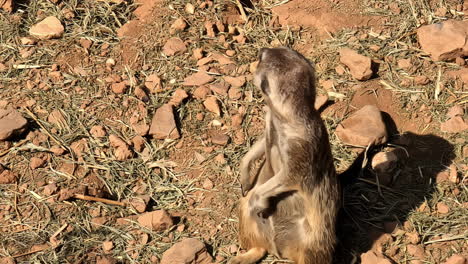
{"x": 262, "y": 53}
{"x": 264, "y": 84}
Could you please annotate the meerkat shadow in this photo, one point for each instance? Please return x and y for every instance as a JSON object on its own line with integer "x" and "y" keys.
{"x": 369, "y": 209}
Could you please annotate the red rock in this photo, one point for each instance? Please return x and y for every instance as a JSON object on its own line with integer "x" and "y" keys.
{"x": 404, "y": 63}
{"x": 209, "y": 26}
{"x": 198, "y": 53}
{"x": 57, "y": 150}
{"x": 454, "y": 125}
{"x": 86, "y": 43}
{"x": 140, "y": 203}
{"x": 105, "y": 260}
{"x": 460, "y": 74}
{"x": 207, "y": 184}
{"x": 12, "y": 123}
{"x": 48, "y": 28}
{"x": 56, "y": 117}
{"x": 178, "y": 25}
{"x": 156, "y": 220}
{"x": 371, "y": 257}
{"x": 119, "y": 88}
{"x": 421, "y": 80}
{"x": 138, "y": 143}
{"x": 7, "y": 260}
{"x": 211, "y": 104}
{"x": 456, "y": 259}
{"x": 416, "y": 251}
{"x": 220, "y": 88}
{"x": 359, "y": 65}
{"x": 444, "y": 41}
{"x": 221, "y": 59}
{"x": 220, "y": 139}
{"x": 141, "y": 128}
{"x": 98, "y": 131}
{"x": 453, "y": 176}
{"x": 178, "y": 96}
{"x": 204, "y": 61}
{"x": 442, "y": 176}
{"x": 174, "y": 46}
{"x": 107, "y": 246}
{"x": 442, "y": 208}
{"x": 28, "y": 41}
{"x": 235, "y": 81}
{"x": 153, "y": 83}
{"x": 7, "y": 176}
{"x": 121, "y": 148}
{"x": 36, "y": 162}
{"x": 163, "y": 124}
{"x": 383, "y": 162}
{"x": 198, "y": 79}
{"x": 8, "y": 7}
{"x": 50, "y": 189}
{"x": 236, "y": 120}
{"x": 320, "y": 101}
{"x": 362, "y": 128}
{"x": 235, "y": 93}
{"x": 187, "y": 251}
{"x": 140, "y": 93}
{"x": 455, "y": 110}
{"x": 201, "y": 92}
{"x": 413, "y": 237}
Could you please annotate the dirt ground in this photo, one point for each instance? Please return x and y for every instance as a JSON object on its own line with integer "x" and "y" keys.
{"x": 89, "y": 97}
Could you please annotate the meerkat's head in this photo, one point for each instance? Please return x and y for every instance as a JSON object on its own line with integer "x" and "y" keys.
{"x": 287, "y": 80}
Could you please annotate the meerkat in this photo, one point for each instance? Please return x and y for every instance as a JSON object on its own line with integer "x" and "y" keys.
{"x": 290, "y": 207}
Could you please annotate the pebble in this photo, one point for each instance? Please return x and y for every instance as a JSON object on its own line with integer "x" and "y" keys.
{"x": 359, "y": 65}
{"x": 174, "y": 46}
{"x": 48, "y": 28}
{"x": 158, "y": 220}
{"x": 211, "y": 104}
{"x": 163, "y": 124}
{"x": 197, "y": 79}
{"x": 187, "y": 251}
{"x": 12, "y": 123}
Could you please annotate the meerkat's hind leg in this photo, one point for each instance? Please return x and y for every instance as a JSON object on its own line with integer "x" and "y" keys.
{"x": 251, "y": 256}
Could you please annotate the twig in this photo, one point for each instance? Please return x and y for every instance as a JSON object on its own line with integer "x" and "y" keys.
{"x": 96, "y": 199}
{"x": 31, "y": 252}
{"x": 59, "y": 231}
{"x": 15, "y": 146}
{"x": 24, "y": 66}
{"x": 437, "y": 88}
{"x": 242, "y": 11}
{"x": 446, "y": 239}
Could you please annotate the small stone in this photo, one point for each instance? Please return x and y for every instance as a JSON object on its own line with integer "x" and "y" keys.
{"x": 201, "y": 92}
{"x": 140, "y": 203}
{"x": 209, "y": 26}
{"x": 444, "y": 41}
{"x": 413, "y": 237}
{"x": 36, "y": 162}
{"x": 211, "y": 104}
{"x": 163, "y": 124}
{"x": 153, "y": 83}
{"x": 156, "y": 220}
{"x": 220, "y": 88}
{"x": 7, "y": 176}
{"x": 27, "y": 41}
{"x": 12, "y": 123}
{"x": 178, "y": 25}
{"x": 138, "y": 143}
{"x": 57, "y": 150}
{"x": 456, "y": 259}
{"x": 197, "y": 79}
{"x": 421, "y": 80}
{"x": 371, "y": 257}
{"x": 48, "y": 28}
{"x": 105, "y": 260}
{"x": 207, "y": 184}
{"x": 7, "y": 5}
{"x": 235, "y": 93}
{"x": 230, "y": 53}
{"x": 178, "y": 96}
{"x": 236, "y": 120}
{"x": 50, "y": 189}
{"x": 384, "y": 162}
{"x": 460, "y": 61}
{"x": 235, "y": 81}
{"x": 442, "y": 176}
{"x": 453, "y": 177}
{"x": 454, "y": 111}
{"x": 174, "y": 46}
{"x": 86, "y": 43}
{"x": 220, "y": 139}
{"x": 404, "y": 63}
{"x": 189, "y": 8}
{"x": 119, "y": 88}
{"x": 454, "y": 125}
{"x": 187, "y": 251}
{"x": 359, "y": 65}
{"x": 320, "y": 101}
{"x": 107, "y": 246}
{"x": 442, "y": 208}
{"x": 416, "y": 251}
{"x": 362, "y": 128}
{"x": 98, "y": 131}
{"x": 198, "y": 53}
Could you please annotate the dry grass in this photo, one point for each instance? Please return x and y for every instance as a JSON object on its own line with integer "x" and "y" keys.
{"x": 34, "y": 219}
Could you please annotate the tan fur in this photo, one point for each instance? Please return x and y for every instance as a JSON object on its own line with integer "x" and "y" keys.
{"x": 290, "y": 206}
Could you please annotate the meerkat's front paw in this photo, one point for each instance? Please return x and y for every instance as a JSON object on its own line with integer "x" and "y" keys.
{"x": 258, "y": 205}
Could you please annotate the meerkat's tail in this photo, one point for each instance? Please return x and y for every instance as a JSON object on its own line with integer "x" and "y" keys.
{"x": 251, "y": 256}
